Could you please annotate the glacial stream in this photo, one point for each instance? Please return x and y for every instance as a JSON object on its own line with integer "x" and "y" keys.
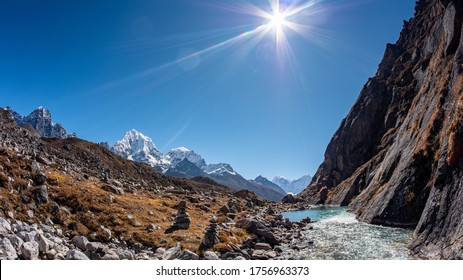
{"x": 337, "y": 235}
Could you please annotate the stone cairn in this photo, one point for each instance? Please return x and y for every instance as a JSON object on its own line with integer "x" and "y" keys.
{"x": 210, "y": 236}
{"x": 182, "y": 220}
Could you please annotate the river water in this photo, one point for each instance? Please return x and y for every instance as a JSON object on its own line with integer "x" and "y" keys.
{"x": 337, "y": 235}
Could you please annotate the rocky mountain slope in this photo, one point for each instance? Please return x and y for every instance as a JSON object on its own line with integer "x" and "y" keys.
{"x": 292, "y": 186}
{"x": 40, "y": 121}
{"x": 76, "y": 200}
{"x": 396, "y": 158}
{"x": 184, "y": 163}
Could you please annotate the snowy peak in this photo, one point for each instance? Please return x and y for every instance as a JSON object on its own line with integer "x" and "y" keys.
{"x": 292, "y": 186}
{"x": 40, "y": 119}
{"x": 219, "y": 169}
{"x": 263, "y": 181}
{"x": 179, "y": 154}
{"x": 138, "y": 147}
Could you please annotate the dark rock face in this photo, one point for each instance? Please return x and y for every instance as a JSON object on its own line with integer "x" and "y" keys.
{"x": 40, "y": 120}
{"x": 185, "y": 169}
{"x": 396, "y": 159}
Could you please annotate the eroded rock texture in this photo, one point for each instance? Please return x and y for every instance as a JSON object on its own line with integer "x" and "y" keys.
{"x": 396, "y": 159}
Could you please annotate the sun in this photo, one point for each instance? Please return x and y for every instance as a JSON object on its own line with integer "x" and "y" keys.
{"x": 277, "y": 20}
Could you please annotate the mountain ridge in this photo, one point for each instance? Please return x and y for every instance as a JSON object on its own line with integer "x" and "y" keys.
{"x": 397, "y": 157}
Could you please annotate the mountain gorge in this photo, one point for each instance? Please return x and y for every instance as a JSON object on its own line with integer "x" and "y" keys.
{"x": 396, "y": 158}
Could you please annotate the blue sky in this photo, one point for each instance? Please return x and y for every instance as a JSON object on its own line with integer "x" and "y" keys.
{"x": 105, "y": 67}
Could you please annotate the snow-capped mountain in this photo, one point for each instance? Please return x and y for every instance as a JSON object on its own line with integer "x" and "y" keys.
{"x": 266, "y": 182}
{"x": 41, "y": 121}
{"x": 138, "y": 147}
{"x": 178, "y": 154}
{"x": 293, "y": 186}
{"x": 182, "y": 162}
{"x": 219, "y": 169}
{"x": 185, "y": 169}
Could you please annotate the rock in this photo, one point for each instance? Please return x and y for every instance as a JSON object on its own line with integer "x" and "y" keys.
{"x": 262, "y": 246}
{"x": 211, "y": 256}
{"x": 10, "y": 214}
{"x": 40, "y": 179}
{"x": 106, "y": 232}
{"x": 110, "y": 255}
{"x": 76, "y": 255}
{"x": 30, "y": 250}
{"x": 44, "y": 244}
{"x": 47, "y": 228}
{"x": 59, "y": 256}
{"x": 93, "y": 246}
{"x": 5, "y": 227}
{"x": 188, "y": 255}
{"x": 173, "y": 252}
{"x": 160, "y": 252}
{"x": 113, "y": 189}
{"x": 7, "y": 250}
{"x": 30, "y": 213}
{"x": 80, "y": 242}
{"x": 35, "y": 167}
{"x": 29, "y": 236}
{"x": 259, "y": 228}
{"x": 16, "y": 241}
{"x": 259, "y": 255}
{"x": 51, "y": 254}
{"x": 289, "y": 199}
{"x": 224, "y": 209}
{"x": 240, "y": 258}
{"x": 210, "y": 236}
{"x": 126, "y": 255}
{"x": 152, "y": 227}
{"x": 182, "y": 220}
{"x": 396, "y": 158}
{"x": 41, "y": 194}
{"x": 271, "y": 254}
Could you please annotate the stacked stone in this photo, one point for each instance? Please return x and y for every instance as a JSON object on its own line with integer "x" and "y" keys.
{"x": 182, "y": 220}
{"x": 210, "y": 236}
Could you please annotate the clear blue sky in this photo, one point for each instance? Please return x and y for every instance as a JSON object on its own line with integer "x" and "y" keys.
{"x": 105, "y": 67}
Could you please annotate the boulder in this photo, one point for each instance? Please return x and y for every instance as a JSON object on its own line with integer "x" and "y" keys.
{"x": 113, "y": 189}
{"x": 44, "y": 244}
{"x": 30, "y": 250}
{"x": 40, "y": 178}
{"x": 41, "y": 194}
{"x": 188, "y": 255}
{"x": 262, "y": 246}
{"x": 258, "y": 228}
{"x": 5, "y": 227}
{"x": 173, "y": 252}
{"x": 80, "y": 242}
{"x": 16, "y": 241}
{"x": 7, "y": 250}
{"x": 76, "y": 255}
{"x": 211, "y": 256}
{"x": 289, "y": 199}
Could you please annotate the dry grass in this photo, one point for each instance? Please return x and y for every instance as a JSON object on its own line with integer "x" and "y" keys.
{"x": 84, "y": 206}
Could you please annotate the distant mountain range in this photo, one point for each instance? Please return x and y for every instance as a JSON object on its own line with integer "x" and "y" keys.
{"x": 293, "y": 186}
{"x": 178, "y": 162}
{"x": 182, "y": 162}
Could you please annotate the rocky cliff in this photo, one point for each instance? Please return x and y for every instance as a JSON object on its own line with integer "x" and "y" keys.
{"x": 40, "y": 121}
{"x": 396, "y": 158}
